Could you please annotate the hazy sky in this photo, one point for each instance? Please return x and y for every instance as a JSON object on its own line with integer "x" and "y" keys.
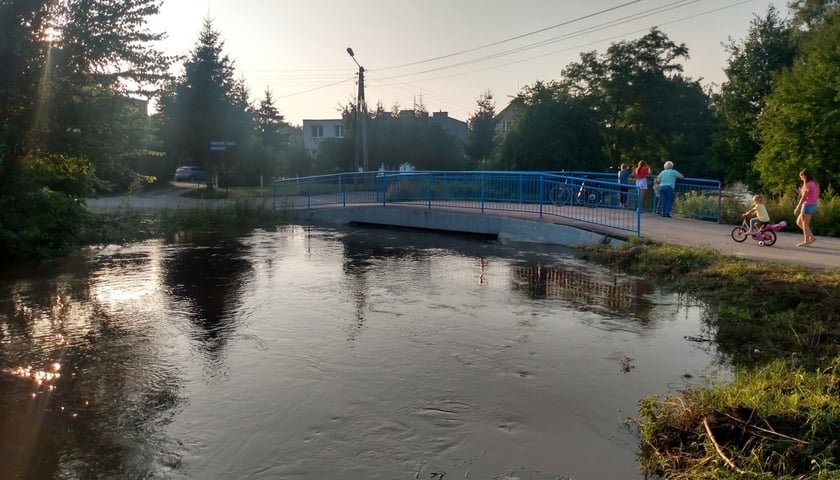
{"x": 445, "y": 53}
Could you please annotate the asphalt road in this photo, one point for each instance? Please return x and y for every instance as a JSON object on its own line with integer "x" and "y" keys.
{"x": 824, "y": 253}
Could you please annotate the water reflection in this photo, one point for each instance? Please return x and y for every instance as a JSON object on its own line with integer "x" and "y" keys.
{"x": 206, "y": 283}
{"x": 616, "y": 295}
{"x": 69, "y": 357}
{"x": 536, "y": 276}
{"x": 231, "y": 360}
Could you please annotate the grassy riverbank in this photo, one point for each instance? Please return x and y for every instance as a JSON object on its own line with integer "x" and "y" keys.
{"x": 127, "y": 226}
{"x": 779, "y": 326}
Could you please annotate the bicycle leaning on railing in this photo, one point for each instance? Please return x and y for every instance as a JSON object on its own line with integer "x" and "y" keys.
{"x": 567, "y": 193}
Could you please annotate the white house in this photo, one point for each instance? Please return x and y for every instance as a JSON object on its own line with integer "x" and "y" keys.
{"x": 316, "y": 131}
{"x": 504, "y": 119}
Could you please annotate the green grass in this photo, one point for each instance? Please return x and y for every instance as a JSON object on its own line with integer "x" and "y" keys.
{"x": 779, "y": 326}
{"x": 771, "y": 422}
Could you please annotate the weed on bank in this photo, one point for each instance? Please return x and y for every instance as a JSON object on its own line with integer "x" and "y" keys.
{"x": 127, "y": 226}
{"x": 778, "y": 325}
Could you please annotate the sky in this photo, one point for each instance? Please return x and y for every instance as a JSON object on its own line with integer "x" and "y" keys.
{"x": 443, "y": 54}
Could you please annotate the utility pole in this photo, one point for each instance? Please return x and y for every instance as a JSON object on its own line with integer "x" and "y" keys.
{"x": 361, "y": 118}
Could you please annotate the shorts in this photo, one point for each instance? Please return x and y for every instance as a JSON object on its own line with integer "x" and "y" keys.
{"x": 642, "y": 183}
{"x": 810, "y": 209}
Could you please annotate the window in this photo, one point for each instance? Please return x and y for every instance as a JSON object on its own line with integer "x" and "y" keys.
{"x": 317, "y": 131}
{"x": 506, "y": 126}
{"x": 338, "y": 131}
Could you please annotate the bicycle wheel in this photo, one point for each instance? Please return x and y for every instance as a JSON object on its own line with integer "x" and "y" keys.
{"x": 560, "y": 195}
{"x": 769, "y": 238}
{"x": 593, "y": 198}
{"x": 739, "y": 234}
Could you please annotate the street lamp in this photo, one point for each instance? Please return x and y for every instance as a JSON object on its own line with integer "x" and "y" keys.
{"x": 361, "y": 117}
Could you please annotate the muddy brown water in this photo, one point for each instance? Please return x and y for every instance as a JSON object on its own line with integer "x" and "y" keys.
{"x": 315, "y": 353}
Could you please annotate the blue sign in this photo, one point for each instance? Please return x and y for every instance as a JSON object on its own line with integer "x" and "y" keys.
{"x": 220, "y": 145}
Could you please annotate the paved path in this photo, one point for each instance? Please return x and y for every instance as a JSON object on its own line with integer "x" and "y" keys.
{"x": 824, "y": 253}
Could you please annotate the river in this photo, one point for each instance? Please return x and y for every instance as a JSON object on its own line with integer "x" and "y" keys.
{"x": 320, "y": 353}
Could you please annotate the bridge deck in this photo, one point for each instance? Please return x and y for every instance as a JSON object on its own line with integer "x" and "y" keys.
{"x": 824, "y": 253}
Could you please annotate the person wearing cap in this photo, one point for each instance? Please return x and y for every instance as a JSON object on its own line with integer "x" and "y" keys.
{"x": 667, "y": 181}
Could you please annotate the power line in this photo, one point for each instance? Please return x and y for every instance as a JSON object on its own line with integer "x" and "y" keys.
{"x": 571, "y": 35}
{"x": 595, "y": 42}
{"x": 517, "y": 37}
{"x": 601, "y": 12}
{"x": 316, "y": 88}
{"x": 605, "y": 25}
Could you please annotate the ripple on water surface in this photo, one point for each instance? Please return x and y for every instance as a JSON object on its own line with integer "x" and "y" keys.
{"x": 316, "y": 353}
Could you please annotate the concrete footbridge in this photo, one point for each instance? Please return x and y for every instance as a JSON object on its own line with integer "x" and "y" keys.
{"x": 567, "y": 208}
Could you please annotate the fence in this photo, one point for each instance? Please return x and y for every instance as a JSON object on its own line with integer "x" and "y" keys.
{"x": 695, "y": 197}
{"x": 582, "y": 197}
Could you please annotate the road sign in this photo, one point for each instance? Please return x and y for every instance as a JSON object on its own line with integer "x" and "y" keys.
{"x": 221, "y": 145}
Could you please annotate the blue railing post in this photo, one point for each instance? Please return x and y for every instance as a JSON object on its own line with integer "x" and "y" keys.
{"x": 541, "y": 193}
{"x": 483, "y": 190}
{"x": 428, "y": 179}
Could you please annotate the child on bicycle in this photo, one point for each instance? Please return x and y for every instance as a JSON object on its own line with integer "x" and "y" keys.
{"x": 761, "y": 217}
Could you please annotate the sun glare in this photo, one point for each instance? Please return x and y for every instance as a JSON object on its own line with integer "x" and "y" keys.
{"x": 39, "y": 377}
{"x": 51, "y": 35}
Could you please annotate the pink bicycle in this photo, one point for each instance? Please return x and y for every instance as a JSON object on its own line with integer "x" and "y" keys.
{"x": 766, "y": 235}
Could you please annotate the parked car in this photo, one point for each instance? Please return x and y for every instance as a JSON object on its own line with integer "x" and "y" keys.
{"x": 190, "y": 174}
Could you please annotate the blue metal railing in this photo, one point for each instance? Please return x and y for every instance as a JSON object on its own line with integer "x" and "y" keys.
{"x": 581, "y": 197}
{"x": 695, "y": 197}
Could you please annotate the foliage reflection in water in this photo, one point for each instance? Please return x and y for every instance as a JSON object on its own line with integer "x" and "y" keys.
{"x": 317, "y": 353}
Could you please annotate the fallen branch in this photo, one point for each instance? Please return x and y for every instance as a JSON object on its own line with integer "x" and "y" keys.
{"x": 718, "y": 449}
{"x": 765, "y": 430}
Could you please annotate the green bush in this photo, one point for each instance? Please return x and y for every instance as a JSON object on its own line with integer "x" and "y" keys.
{"x": 40, "y": 223}
{"x": 695, "y": 203}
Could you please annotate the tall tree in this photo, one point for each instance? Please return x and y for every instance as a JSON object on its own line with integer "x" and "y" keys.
{"x": 552, "y": 131}
{"x": 102, "y": 56}
{"x": 807, "y": 14}
{"x": 23, "y": 51}
{"x": 73, "y": 64}
{"x": 481, "y": 141}
{"x": 800, "y": 127}
{"x": 206, "y": 104}
{"x": 271, "y": 127}
{"x": 633, "y": 91}
{"x": 68, "y": 69}
{"x": 753, "y": 65}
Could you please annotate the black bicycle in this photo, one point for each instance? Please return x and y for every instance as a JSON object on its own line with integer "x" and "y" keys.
{"x": 571, "y": 194}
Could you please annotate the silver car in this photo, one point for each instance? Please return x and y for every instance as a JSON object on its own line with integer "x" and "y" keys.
{"x": 190, "y": 174}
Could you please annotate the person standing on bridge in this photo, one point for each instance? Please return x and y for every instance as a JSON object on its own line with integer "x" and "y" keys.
{"x": 667, "y": 181}
{"x": 623, "y": 179}
{"x": 809, "y": 195}
{"x": 641, "y": 173}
